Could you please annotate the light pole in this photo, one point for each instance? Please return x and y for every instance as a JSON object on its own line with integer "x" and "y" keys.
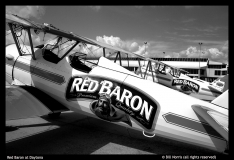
{"x": 199, "y": 61}
{"x": 145, "y": 51}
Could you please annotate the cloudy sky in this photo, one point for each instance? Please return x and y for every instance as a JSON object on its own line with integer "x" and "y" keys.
{"x": 170, "y": 31}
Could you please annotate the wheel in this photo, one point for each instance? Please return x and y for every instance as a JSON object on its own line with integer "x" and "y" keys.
{"x": 54, "y": 115}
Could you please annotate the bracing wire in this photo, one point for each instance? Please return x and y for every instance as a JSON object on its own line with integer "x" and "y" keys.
{"x": 90, "y": 50}
{"x": 23, "y": 42}
{"x": 71, "y": 44}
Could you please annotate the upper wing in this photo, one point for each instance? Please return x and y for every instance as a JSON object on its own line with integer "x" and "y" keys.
{"x": 48, "y": 28}
{"x": 10, "y": 18}
{"x": 217, "y": 120}
{"x": 27, "y": 101}
{"x": 222, "y": 100}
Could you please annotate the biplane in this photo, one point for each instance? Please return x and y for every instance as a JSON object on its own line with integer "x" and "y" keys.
{"x": 178, "y": 79}
{"x": 58, "y": 73}
{"x": 173, "y": 77}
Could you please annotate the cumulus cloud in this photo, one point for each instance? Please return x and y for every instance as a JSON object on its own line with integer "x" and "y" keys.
{"x": 167, "y": 56}
{"x": 133, "y": 45}
{"x": 224, "y": 48}
{"x": 189, "y": 52}
{"x": 142, "y": 50}
{"x": 175, "y": 55}
{"x": 26, "y": 11}
{"x": 215, "y": 52}
{"x": 219, "y": 54}
{"x": 152, "y": 49}
{"x": 128, "y": 45}
{"x": 114, "y": 41}
{"x": 156, "y": 49}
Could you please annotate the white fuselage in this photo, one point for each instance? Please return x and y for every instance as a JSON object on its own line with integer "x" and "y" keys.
{"x": 174, "y": 117}
{"x": 205, "y": 90}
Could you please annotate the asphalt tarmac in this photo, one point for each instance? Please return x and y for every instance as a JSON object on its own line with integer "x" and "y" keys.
{"x": 74, "y": 134}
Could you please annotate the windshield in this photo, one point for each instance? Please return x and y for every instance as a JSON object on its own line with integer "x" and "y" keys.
{"x": 60, "y": 46}
{"x": 163, "y": 69}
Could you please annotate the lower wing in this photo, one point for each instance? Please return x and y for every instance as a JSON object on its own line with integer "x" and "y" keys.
{"x": 27, "y": 101}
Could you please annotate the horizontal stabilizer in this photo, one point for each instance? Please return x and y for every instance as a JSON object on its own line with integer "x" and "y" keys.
{"x": 221, "y": 84}
{"x": 217, "y": 120}
{"x": 222, "y": 100}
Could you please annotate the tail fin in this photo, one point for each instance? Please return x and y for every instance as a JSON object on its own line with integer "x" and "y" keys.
{"x": 222, "y": 100}
{"x": 221, "y": 83}
{"x": 225, "y": 79}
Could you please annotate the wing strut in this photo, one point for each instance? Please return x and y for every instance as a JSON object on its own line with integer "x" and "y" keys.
{"x": 140, "y": 66}
{"x": 15, "y": 39}
{"x": 151, "y": 69}
{"x": 13, "y": 28}
{"x": 104, "y": 53}
{"x": 31, "y": 44}
{"x": 118, "y": 55}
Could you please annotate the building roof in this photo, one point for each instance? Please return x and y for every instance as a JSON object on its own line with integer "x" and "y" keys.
{"x": 216, "y": 63}
{"x": 185, "y": 64}
{"x": 189, "y": 63}
{"x": 181, "y": 59}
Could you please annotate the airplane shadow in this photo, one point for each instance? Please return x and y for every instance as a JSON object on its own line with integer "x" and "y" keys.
{"x": 93, "y": 136}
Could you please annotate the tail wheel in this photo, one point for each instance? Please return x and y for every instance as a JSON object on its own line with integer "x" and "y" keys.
{"x": 54, "y": 115}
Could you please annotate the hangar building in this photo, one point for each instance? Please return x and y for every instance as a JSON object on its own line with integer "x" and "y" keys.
{"x": 209, "y": 70}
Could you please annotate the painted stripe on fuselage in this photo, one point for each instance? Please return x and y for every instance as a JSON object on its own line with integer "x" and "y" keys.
{"x": 166, "y": 79}
{"x": 10, "y": 63}
{"x": 191, "y": 124}
{"x": 150, "y": 74}
{"x": 50, "y": 76}
{"x": 24, "y": 67}
{"x": 211, "y": 91}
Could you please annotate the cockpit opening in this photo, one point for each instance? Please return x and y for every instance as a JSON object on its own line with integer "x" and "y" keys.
{"x": 78, "y": 62}
{"x": 56, "y": 49}
{"x": 50, "y": 56}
